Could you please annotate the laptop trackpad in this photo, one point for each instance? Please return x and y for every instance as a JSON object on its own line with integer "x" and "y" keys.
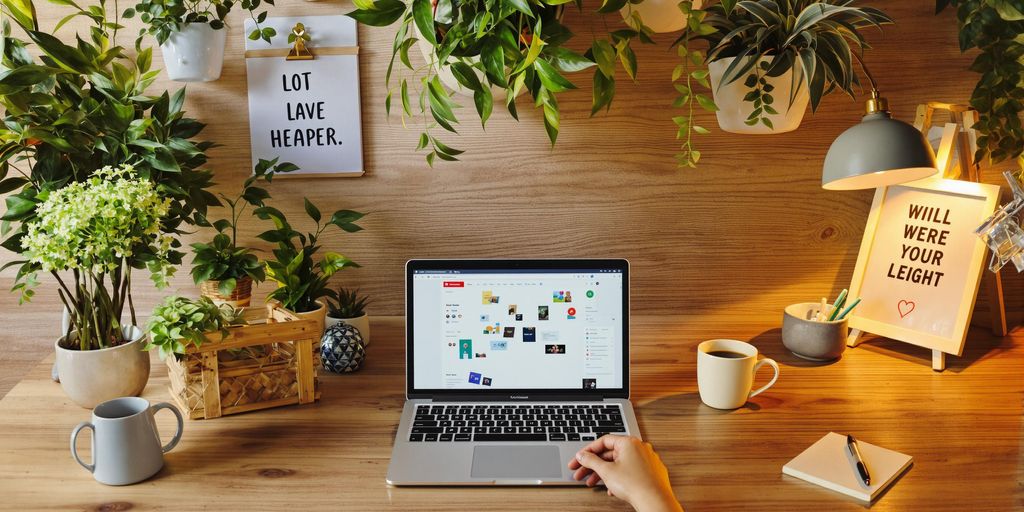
{"x": 516, "y": 462}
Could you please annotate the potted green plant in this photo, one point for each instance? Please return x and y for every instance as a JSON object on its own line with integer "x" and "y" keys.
{"x": 349, "y": 307}
{"x": 995, "y": 29}
{"x": 72, "y": 111}
{"x": 86, "y": 235}
{"x": 78, "y": 109}
{"x": 795, "y": 51}
{"x": 224, "y": 270}
{"x": 179, "y": 322}
{"x": 301, "y": 278}
{"x": 492, "y": 51}
{"x": 191, "y": 33}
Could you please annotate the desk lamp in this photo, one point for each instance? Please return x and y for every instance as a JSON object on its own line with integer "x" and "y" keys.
{"x": 878, "y": 152}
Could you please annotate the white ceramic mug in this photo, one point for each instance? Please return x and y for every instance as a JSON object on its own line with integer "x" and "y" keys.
{"x": 726, "y": 382}
{"x": 125, "y": 442}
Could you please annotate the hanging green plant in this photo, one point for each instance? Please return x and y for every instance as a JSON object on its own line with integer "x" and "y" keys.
{"x": 995, "y": 28}
{"x": 780, "y": 54}
{"x": 493, "y": 52}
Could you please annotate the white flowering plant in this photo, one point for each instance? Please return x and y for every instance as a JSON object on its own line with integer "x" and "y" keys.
{"x": 96, "y": 230}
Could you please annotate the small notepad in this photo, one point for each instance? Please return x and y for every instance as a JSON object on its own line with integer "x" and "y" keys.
{"x": 829, "y": 464}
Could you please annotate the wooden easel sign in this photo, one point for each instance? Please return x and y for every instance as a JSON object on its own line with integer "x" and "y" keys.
{"x": 920, "y": 264}
{"x": 304, "y": 103}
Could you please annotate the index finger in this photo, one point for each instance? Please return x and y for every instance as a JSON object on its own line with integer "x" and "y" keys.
{"x": 605, "y": 443}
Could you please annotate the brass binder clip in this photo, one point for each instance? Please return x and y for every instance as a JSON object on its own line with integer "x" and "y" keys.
{"x": 298, "y": 39}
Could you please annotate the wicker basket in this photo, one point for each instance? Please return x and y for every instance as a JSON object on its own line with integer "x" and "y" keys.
{"x": 270, "y": 362}
{"x": 240, "y": 297}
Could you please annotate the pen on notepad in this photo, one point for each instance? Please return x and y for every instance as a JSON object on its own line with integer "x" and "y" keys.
{"x": 862, "y": 468}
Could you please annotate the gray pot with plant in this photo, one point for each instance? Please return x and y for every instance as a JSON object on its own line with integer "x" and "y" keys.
{"x": 349, "y": 307}
{"x": 192, "y": 34}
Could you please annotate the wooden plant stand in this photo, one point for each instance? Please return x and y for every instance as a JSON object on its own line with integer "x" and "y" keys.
{"x": 270, "y": 362}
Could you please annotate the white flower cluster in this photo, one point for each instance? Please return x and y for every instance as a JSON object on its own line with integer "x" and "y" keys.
{"x": 94, "y": 225}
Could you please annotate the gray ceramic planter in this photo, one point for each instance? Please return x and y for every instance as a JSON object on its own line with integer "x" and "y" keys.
{"x": 809, "y": 339}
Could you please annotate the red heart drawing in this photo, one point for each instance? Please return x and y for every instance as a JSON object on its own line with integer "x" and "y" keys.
{"x": 905, "y": 307}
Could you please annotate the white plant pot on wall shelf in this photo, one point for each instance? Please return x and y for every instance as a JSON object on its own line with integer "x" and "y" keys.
{"x": 733, "y": 111}
{"x": 659, "y": 15}
{"x": 195, "y": 53}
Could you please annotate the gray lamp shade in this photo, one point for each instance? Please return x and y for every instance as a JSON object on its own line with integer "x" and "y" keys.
{"x": 877, "y": 152}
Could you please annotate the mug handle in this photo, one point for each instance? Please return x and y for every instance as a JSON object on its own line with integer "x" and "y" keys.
{"x": 773, "y": 364}
{"x": 181, "y": 424}
{"x": 74, "y": 450}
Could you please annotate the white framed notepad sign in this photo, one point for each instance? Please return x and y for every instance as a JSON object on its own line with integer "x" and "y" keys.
{"x": 920, "y": 262}
{"x": 306, "y": 111}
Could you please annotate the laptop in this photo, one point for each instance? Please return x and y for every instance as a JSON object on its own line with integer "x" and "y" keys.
{"x": 512, "y": 366}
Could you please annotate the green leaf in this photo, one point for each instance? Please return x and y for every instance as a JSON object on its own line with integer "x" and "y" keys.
{"x": 312, "y": 210}
{"x": 549, "y": 76}
{"x": 484, "y": 102}
{"x": 706, "y": 103}
{"x": 23, "y": 12}
{"x": 11, "y": 184}
{"x": 18, "y": 207}
{"x": 67, "y": 57}
{"x": 522, "y": 6}
{"x": 423, "y": 16}
{"x": 569, "y": 61}
{"x": 383, "y": 13}
{"x": 227, "y": 286}
{"x": 531, "y": 55}
{"x": 604, "y": 56}
{"x": 604, "y": 91}
{"x": 493, "y": 56}
{"x": 628, "y": 59}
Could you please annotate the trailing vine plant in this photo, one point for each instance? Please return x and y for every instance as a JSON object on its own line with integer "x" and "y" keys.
{"x": 996, "y": 28}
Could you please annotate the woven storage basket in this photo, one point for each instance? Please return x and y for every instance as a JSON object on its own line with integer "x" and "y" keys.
{"x": 239, "y": 298}
{"x": 270, "y": 362}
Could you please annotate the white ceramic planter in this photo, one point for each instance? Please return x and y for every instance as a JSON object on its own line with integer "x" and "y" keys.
{"x": 660, "y": 15}
{"x": 195, "y": 53}
{"x": 319, "y": 314}
{"x": 362, "y": 323}
{"x": 94, "y": 376}
{"x": 733, "y": 111}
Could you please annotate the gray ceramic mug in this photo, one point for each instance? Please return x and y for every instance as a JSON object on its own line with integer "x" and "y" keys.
{"x": 125, "y": 442}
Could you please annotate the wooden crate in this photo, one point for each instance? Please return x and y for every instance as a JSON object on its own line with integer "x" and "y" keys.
{"x": 269, "y": 362}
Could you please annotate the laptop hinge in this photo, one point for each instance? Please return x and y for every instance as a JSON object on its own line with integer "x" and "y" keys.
{"x": 514, "y": 398}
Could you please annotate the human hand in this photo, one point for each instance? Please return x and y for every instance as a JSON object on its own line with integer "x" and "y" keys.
{"x": 631, "y": 471}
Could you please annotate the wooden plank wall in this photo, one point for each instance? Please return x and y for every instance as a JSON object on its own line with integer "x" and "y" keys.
{"x": 750, "y": 230}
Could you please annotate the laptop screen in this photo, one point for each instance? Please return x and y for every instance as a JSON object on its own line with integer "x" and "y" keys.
{"x": 518, "y": 328}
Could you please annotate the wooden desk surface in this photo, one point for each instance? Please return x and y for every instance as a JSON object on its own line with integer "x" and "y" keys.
{"x": 963, "y": 427}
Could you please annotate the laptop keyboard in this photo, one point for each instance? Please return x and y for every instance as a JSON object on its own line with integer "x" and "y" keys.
{"x": 546, "y": 422}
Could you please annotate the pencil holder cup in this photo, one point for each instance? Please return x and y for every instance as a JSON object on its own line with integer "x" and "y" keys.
{"x": 810, "y": 339}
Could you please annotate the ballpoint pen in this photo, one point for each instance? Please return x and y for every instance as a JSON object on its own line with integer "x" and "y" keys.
{"x": 862, "y": 468}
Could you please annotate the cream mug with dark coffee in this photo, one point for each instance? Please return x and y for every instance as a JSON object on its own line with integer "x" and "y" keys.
{"x": 725, "y": 373}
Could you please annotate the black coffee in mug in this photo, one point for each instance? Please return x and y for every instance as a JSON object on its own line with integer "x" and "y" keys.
{"x": 727, "y": 354}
